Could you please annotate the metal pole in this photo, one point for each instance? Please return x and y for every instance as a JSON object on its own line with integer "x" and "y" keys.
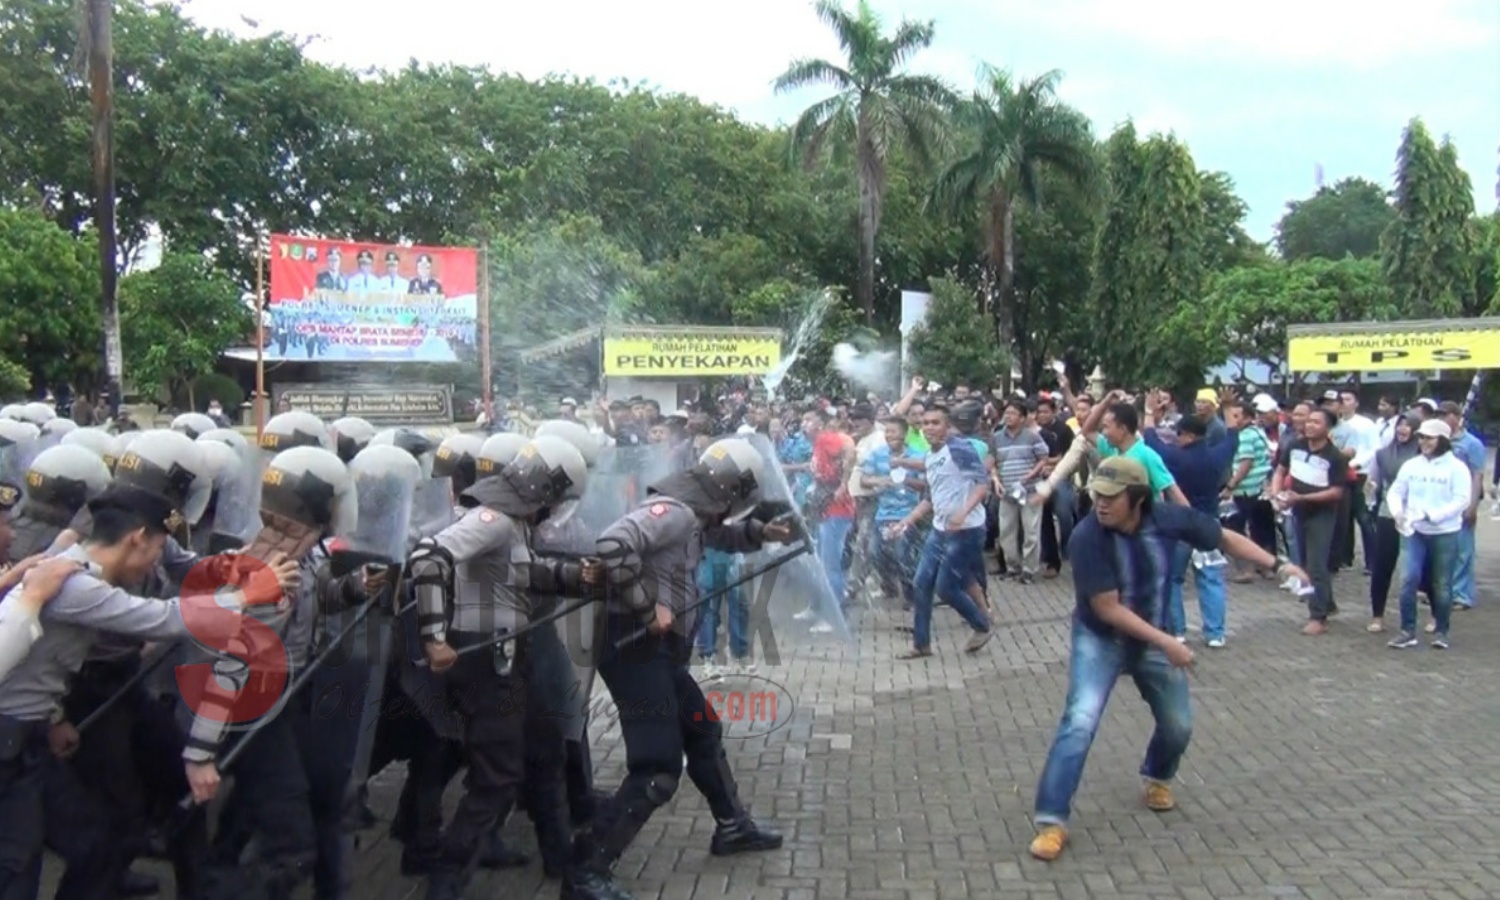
{"x": 486, "y": 376}
{"x": 260, "y": 340}
{"x": 102, "y": 98}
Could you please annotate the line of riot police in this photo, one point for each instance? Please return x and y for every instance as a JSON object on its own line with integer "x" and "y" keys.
{"x": 409, "y": 588}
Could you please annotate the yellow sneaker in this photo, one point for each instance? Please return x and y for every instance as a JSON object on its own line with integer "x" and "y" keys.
{"x": 1049, "y": 842}
{"x": 1159, "y": 797}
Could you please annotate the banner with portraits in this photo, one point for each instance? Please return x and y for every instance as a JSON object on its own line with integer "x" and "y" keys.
{"x": 350, "y": 301}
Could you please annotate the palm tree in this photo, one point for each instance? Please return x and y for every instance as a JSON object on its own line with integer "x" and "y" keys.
{"x": 874, "y": 108}
{"x": 1015, "y": 131}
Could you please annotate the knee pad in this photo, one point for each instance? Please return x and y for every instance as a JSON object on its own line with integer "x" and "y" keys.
{"x": 660, "y": 788}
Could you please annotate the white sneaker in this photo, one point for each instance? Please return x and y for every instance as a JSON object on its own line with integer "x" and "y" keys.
{"x": 1291, "y": 584}
{"x": 1216, "y": 643}
{"x": 745, "y": 666}
{"x": 711, "y": 672}
{"x": 805, "y": 615}
{"x": 822, "y": 628}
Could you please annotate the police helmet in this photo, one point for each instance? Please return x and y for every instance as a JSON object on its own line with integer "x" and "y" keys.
{"x": 350, "y": 435}
{"x": 497, "y": 452}
{"x": 412, "y": 441}
{"x": 61, "y": 481}
{"x": 548, "y": 471}
{"x": 311, "y": 485}
{"x": 966, "y": 415}
{"x": 193, "y": 424}
{"x": 575, "y": 433}
{"x": 732, "y": 469}
{"x": 226, "y": 436}
{"x": 457, "y": 459}
{"x": 294, "y": 429}
{"x": 58, "y": 427}
{"x": 14, "y": 431}
{"x": 170, "y": 464}
{"x": 38, "y": 413}
{"x": 221, "y": 462}
{"x": 100, "y": 442}
{"x": 13, "y": 411}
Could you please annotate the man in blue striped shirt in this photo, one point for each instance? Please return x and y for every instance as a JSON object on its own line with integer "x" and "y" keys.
{"x": 1122, "y": 570}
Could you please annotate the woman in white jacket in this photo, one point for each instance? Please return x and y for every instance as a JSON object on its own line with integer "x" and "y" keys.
{"x": 1428, "y": 501}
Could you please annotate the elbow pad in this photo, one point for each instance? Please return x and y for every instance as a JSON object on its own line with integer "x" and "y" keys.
{"x": 431, "y": 576}
{"x": 625, "y": 566}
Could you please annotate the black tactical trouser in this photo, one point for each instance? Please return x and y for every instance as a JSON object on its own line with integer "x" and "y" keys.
{"x": 553, "y": 701}
{"x": 490, "y": 691}
{"x": 404, "y": 733}
{"x": 271, "y": 802}
{"x": 663, "y": 716}
{"x": 43, "y": 806}
{"x": 130, "y": 762}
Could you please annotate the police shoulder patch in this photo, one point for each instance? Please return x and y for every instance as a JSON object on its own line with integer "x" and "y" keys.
{"x": 659, "y": 509}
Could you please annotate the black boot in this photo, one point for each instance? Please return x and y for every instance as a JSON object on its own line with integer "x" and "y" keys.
{"x": 587, "y": 884}
{"x": 496, "y": 855}
{"x": 742, "y": 835}
{"x": 137, "y": 884}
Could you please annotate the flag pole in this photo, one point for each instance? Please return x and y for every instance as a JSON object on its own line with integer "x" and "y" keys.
{"x": 485, "y": 373}
{"x": 260, "y": 339}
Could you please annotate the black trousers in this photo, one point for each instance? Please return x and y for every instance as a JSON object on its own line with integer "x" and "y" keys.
{"x": 42, "y": 805}
{"x": 1259, "y": 518}
{"x": 405, "y": 733}
{"x": 490, "y": 692}
{"x": 663, "y": 717}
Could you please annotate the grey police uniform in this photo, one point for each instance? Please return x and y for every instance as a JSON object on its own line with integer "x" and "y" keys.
{"x": 30, "y": 779}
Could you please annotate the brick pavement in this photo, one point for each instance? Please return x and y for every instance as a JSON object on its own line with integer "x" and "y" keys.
{"x": 1320, "y": 768}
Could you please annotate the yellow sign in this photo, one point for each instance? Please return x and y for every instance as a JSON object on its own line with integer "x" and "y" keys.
{"x": 681, "y": 356}
{"x": 1395, "y": 351}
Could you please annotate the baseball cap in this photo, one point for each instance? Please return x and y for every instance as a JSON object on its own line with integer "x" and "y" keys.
{"x": 1449, "y": 408}
{"x": 1206, "y": 395}
{"x": 568, "y": 401}
{"x": 1264, "y": 403}
{"x": 1330, "y": 396}
{"x": 1116, "y": 474}
{"x": 1428, "y": 402}
{"x": 1435, "y": 428}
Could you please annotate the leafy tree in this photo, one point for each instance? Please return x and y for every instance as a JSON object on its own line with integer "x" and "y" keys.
{"x": 1426, "y": 250}
{"x": 176, "y": 321}
{"x": 49, "y": 316}
{"x": 1052, "y": 279}
{"x": 1016, "y": 131}
{"x": 1346, "y": 219}
{"x": 1248, "y": 309}
{"x": 1149, "y": 261}
{"x": 944, "y": 347}
{"x": 15, "y": 381}
{"x": 1486, "y": 242}
{"x": 875, "y": 107}
{"x": 1226, "y": 243}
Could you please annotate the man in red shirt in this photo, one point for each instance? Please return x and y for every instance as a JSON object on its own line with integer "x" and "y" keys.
{"x": 832, "y": 507}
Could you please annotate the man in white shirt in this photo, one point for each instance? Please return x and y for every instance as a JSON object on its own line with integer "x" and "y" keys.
{"x": 1358, "y": 438}
{"x": 867, "y": 439}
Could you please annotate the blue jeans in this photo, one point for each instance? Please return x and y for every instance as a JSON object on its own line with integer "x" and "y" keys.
{"x": 1462, "y": 591}
{"x": 1211, "y": 599}
{"x": 1096, "y": 663}
{"x": 1065, "y": 514}
{"x": 832, "y": 535}
{"x": 716, "y": 570}
{"x": 950, "y": 560}
{"x": 1436, "y": 553}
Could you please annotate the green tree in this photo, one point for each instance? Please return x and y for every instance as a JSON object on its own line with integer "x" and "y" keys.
{"x": 1149, "y": 262}
{"x": 1015, "y": 132}
{"x": 49, "y": 314}
{"x": 944, "y": 347}
{"x": 1052, "y": 279}
{"x": 176, "y": 321}
{"x": 1486, "y": 243}
{"x": 1346, "y": 219}
{"x": 875, "y": 108}
{"x": 1246, "y": 312}
{"x": 1226, "y": 243}
{"x": 15, "y": 381}
{"x": 1426, "y": 251}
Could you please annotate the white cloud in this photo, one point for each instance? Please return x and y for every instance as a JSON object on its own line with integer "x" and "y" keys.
{"x": 1356, "y": 33}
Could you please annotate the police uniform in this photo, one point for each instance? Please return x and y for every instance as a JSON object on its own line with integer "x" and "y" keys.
{"x": 652, "y": 555}
{"x": 282, "y": 794}
{"x": 484, "y": 567}
{"x": 40, "y": 803}
{"x": 20, "y": 626}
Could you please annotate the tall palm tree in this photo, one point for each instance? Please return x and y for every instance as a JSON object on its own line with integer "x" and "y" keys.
{"x": 1014, "y": 130}
{"x": 874, "y": 107}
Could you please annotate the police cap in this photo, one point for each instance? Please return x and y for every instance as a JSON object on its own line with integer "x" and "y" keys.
{"x": 144, "y": 508}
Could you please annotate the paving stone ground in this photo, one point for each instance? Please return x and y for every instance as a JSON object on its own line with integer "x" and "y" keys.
{"x": 1321, "y": 768}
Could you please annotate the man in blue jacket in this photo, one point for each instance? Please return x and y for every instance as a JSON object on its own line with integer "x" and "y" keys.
{"x": 1199, "y": 468}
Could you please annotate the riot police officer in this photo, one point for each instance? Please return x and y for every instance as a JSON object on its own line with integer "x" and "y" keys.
{"x": 58, "y": 484}
{"x": 130, "y": 528}
{"x": 194, "y": 424}
{"x": 652, "y": 555}
{"x": 350, "y": 435}
{"x": 483, "y": 568}
{"x": 101, "y": 442}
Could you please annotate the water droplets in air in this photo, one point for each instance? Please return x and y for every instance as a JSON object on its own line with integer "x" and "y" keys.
{"x": 806, "y": 331}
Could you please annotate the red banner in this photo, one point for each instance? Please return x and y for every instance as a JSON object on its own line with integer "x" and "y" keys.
{"x": 347, "y": 301}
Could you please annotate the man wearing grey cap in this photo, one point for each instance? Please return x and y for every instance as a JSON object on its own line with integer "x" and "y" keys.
{"x": 1122, "y": 574}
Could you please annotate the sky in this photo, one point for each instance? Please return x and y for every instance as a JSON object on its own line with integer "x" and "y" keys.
{"x": 1269, "y": 91}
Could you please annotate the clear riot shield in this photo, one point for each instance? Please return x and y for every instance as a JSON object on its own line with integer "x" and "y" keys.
{"x": 386, "y": 480}
{"x": 431, "y": 509}
{"x": 431, "y": 512}
{"x": 237, "y": 510}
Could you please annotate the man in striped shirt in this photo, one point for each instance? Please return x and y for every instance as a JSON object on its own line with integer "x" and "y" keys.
{"x": 1020, "y": 457}
{"x": 1246, "y": 488}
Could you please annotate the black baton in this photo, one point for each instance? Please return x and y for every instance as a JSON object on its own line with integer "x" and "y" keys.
{"x": 522, "y": 632}
{"x": 776, "y": 563}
